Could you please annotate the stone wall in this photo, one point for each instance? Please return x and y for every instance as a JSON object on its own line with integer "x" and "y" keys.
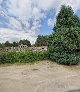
{"x": 23, "y": 48}
{"x": 38, "y": 49}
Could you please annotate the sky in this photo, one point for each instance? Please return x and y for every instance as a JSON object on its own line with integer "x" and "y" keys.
{"x": 26, "y": 19}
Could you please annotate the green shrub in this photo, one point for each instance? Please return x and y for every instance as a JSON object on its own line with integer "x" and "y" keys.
{"x": 21, "y": 57}
{"x": 64, "y": 46}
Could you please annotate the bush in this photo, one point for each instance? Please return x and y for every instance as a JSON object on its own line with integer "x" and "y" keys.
{"x": 8, "y": 57}
{"x": 21, "y": 57}
{"x": 65, "y": 58}
{"x": 64, "y": 46}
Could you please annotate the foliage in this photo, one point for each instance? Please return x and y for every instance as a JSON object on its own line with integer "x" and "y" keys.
{"x": 7, "y": 44}
{"x": 2, "y": 45}
{"x": 21, "y": 57}
{"x": 64, "y": 43}
{"x": 64, "y": 47}
{"x": 66, "y": 18}
{"x": 15, "y": 44}
{"x": 25, "y": 42}
{"x": 41, "y": 40}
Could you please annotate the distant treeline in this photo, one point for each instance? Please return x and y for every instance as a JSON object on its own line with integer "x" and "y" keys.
{"x": 40, "y": 41}
{"x": 15, "y": 44}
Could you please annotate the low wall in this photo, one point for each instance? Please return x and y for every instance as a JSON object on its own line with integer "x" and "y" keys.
{"x": 17, "y": 49}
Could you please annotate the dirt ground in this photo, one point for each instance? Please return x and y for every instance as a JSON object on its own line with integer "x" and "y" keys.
{"x": 43, "y": 77}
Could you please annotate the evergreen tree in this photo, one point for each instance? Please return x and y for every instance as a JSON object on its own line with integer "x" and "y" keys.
{"x": 64, "y": 45}
{"x": 66, "y": 18}
{"x": 7, "y": 44}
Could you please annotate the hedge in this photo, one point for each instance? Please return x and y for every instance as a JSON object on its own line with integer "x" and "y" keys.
{"x": 21, "y": 57}
{"x": 64, "y": 46}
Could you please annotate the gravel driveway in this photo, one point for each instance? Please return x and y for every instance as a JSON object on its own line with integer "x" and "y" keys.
{"x": 43, "y": 77}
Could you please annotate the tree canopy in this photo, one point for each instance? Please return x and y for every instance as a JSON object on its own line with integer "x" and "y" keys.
{"x": 66, "y": 18}
{"x": 25, "y": 42}
{"x": 41, "y": 40}
{"x": 64, "y": 43}
{"x": 15, "y": 44}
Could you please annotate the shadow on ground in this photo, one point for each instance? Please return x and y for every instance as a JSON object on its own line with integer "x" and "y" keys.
{"x": 78, "y": 90}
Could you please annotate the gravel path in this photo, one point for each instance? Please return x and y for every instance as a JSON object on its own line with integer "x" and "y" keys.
{"x": 43, "y": 77}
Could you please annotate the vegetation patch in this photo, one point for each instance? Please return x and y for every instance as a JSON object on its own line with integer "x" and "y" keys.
{"x": 22, "y": 57}
{"x": 64, "y": 42}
